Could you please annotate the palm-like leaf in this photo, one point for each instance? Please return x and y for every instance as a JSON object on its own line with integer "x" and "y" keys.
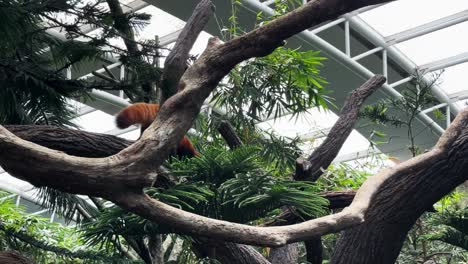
{"x": 69, "y": 206}
{"x": 251, "y": 196}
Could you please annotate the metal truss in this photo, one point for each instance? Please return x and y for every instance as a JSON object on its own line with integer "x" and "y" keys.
{"x": 385, "y": 46}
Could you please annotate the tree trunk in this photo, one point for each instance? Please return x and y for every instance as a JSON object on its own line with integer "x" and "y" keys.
{"x": 314, "y": 250}
{"x": 229, "y": 253}
{"x": 401, "y": 199}
{"x": 288, "y": 254}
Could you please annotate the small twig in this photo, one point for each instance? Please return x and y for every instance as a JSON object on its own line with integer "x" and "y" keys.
{"x": 109, "y": 72}
{"x": 104, "y": 77}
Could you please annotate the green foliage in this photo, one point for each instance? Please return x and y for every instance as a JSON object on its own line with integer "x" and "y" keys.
{"x": 41, "y": 240}
{"x": 238, "y": 182}
{"x": 33, "y": 89}
{"x": 222, "y": 184}
{"x": 185, "y": 196}
{"x": 453, "y": 227}
{"x": 114, "y": 222}
{"x": 286, "y": 81}
{"x": 261, "y": 193}
{"x": 65, "y": 204}
{"x": 217, "y": 165}
{"x": 414, "y": 98}
{"x": 279, "y": 152}
{"x": 342, "y": 176}
{"x": 440, "y": 236}
{"x": 378, "y": 114}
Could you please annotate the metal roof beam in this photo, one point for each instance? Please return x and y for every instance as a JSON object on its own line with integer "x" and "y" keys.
{"x": 444, "y": 63}
{"x": 427, "y": 28}
{"x": 356, "y": 155}
{"x": 405, "y": 63}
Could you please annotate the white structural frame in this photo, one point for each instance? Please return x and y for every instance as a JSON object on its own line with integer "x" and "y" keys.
{"x": 357, "y": 24}
{"x": 386, "y": 46}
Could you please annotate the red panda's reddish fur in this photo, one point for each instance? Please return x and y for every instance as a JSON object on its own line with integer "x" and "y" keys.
{"x": 144, "y": 114}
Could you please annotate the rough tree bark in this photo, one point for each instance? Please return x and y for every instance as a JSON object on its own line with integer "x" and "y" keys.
{"x": 311, "y": 168}
{"x": 288, "y": 254}
{"x": 95, "y": 145}
{"x": 13, "y": 257}
{"x": 89, "y": 144}
{"x": 229, "y": 253}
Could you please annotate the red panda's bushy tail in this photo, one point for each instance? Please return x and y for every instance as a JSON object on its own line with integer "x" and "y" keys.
{"x": 144, "y": 114}
{"x": 139, "y": 113}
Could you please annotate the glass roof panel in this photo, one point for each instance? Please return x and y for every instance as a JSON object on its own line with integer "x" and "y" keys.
{"x": 290, "y": 126}
{"x": 405, "y": 14}
{"x": 312, "y": 128}
{"x": 97, "y": 121}
{"x": 436, "y": 45}
{"x": 159, "y": 18}
{"x": 453, "y": 79}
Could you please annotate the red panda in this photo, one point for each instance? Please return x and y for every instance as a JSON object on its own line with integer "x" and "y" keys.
{"x": 144, "y": 114}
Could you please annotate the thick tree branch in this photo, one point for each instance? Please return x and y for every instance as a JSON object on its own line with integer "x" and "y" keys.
{"x": 407, "y": 191}
{"x": 139, "y": 161}
{"x": 176, "y": 62}
{"x": 185, "y": 222}
{"x": 311, "y": 168}
{"x": 288, "y": 254}
{"x": 229, "y": 253}
{"x": 71, "y": 141}
{"x": 122, "y": 25}
{"x": 229, "y": 134}
{"x": 96, "y": 145}
{"x": 314, "y": 250}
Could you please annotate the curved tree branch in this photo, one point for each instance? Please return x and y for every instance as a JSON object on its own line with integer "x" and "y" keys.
{"x": 185, "y": 222}
{"x": 407, "y": 191}
{"x": 311, "y": 168}
{"x": 448, "y": 150}
{"x": 96, "y": 145}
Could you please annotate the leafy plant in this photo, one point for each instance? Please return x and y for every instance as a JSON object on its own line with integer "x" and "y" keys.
{"x": 42, "y": 240}
{"x": 286, "y": 81}
{"x": 414, "y": 98}
{"x": 223, "y": 184}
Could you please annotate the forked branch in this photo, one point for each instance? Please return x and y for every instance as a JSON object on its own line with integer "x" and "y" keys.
{"x": 176, "y": 62}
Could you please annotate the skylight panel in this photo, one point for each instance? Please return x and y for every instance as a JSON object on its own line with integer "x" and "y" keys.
{"x": 160, "y": 24}
{"x": 405, "y": 14}
{"x": 290, "y": 126}
{"x": 453, "y": 79}
{"x": 96, "y": 121}
{"x": 436, "y": 45}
